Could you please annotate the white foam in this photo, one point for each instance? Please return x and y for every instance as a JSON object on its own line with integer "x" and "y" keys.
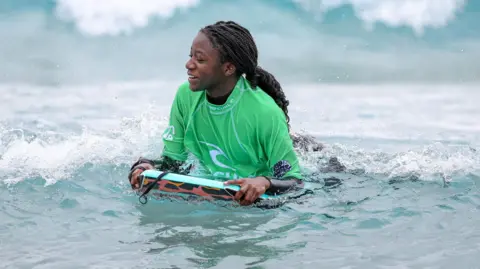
{"x": 55, "y": 155}
{"x": 118, "y": 129}
{"x": 113, "y": 17}
{"x": 116, "y": 16}
{"x": 416, "y": 14}
{"x": 429, "y": 162}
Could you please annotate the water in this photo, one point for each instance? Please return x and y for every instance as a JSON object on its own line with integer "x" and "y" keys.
{"x": 396, "y": 104}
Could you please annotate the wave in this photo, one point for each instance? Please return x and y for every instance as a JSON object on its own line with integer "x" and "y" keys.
{"x": 114, "y": 17}
{"x": 78, "y": 41}
{"x": 120, "y": 16}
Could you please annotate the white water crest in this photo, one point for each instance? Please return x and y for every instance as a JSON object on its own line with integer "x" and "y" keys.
{"x": 113, "y": 17}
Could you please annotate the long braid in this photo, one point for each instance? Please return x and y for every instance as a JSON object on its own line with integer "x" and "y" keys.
{"x": 236, "y": 45}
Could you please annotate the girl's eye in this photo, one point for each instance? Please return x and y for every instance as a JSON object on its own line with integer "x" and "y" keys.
{"x": 200, "y": 60}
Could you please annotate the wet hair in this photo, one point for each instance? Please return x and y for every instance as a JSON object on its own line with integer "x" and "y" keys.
{"x": 236, "y": 45}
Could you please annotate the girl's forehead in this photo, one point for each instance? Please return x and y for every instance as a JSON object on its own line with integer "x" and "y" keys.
{"x": 202, "y": 44}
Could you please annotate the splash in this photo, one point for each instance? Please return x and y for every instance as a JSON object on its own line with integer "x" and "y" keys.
{"x": 116, "y": 131}
{"x": 433, "y": 162}
{"x": 57, "y": 155}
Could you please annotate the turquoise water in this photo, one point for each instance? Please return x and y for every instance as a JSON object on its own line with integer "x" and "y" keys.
{"x": 398, "y": 106}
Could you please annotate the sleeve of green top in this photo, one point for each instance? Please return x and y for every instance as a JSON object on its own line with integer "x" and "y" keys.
{"x": 278, "y": 146}
{"x": 173, "y": 135}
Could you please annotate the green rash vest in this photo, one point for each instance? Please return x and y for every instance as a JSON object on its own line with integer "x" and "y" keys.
{"x": 245, "y": 137}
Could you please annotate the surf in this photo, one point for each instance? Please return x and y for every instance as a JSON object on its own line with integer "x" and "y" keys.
{"x": 334, "y": 41}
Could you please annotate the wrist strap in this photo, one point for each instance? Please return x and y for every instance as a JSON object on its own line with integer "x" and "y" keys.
{"x": 282, "y": 186}
{"x": 269, "y": 180}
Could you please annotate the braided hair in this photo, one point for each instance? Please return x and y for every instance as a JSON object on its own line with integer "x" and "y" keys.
{"x": 236, "y": 45}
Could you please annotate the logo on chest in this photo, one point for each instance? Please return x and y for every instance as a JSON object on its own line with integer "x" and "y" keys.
{"x": 219, "y": 158}
{"x": 215, "y": 153}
